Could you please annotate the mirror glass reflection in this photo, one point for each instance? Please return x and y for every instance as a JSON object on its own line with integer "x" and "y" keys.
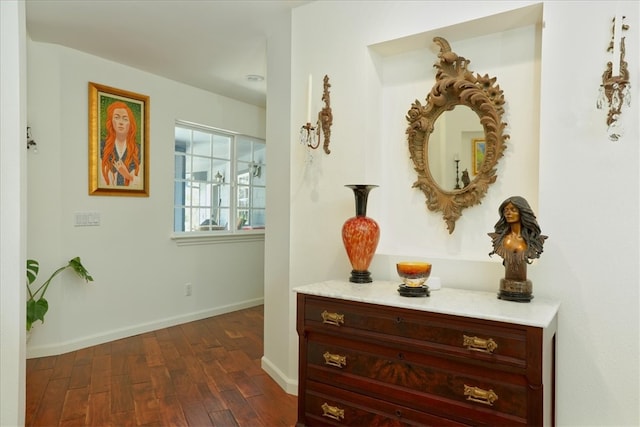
{"x": 451, "y": 147}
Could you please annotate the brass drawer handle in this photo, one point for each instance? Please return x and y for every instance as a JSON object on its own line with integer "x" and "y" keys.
{"x": 335, "y": 360}
{"x": 476, "y": 394}
{"x": 332, "y": 412}
{"x": 332, "y": 318}
{"x": 479, "y": 344}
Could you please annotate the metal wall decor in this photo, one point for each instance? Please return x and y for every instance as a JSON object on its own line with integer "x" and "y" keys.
{"x": 31, "y": 143}
{"x": 615, "y": 90}
{"x": 310, "y": 135}
{"x": 456, "y": 85}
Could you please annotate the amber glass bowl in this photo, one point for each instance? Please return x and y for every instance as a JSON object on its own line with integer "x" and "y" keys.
{"x": 413, "y": 273}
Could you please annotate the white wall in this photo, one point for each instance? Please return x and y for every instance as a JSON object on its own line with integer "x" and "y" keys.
{"x": 139, "y": 271}
{"x": 586, "y": 192}
{"x": 589, "y": 200}
{"x": 12, "y": 223}
{"x": 277, "y": 265}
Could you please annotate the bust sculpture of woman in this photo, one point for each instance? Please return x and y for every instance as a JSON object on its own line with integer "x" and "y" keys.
{"x": 518, "y": 240}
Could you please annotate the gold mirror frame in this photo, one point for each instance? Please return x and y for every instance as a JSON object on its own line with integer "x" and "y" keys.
{"x": 456, "y": 85}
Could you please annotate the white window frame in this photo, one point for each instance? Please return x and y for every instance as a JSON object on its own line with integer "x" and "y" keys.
{"x": 231, "y": 234}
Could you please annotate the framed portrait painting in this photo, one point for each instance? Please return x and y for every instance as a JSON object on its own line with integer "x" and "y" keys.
{"x": 478, "y": 146}
{"x": 118, "y": 142}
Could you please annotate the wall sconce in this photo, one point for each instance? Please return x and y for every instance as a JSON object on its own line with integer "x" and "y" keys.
{"x": 615, "y": 88}
{"x": 256, "y": 170}
{"x": 309, "y": 134}
{"x": 30, "y": 141}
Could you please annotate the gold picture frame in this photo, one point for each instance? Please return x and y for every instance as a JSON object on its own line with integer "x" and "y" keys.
{"x": 118, "y": 142}
{"x": 479, "y": 147}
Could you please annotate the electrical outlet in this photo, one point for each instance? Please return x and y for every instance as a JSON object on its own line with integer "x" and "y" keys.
{"x": 187, "y": 289}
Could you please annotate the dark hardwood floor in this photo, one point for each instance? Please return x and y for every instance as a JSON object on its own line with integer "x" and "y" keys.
{"x": 203, "y": 373}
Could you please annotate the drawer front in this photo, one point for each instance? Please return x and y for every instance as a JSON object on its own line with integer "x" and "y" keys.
{"x": 329, "y": 406}
{"x": 468, "y": 338}
{"x": 381, "y": 371}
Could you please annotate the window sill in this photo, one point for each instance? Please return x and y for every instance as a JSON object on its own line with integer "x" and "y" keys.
{"x": 204, "y": 238}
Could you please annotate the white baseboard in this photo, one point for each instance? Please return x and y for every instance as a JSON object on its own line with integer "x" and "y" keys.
{"x": 116, "y": 334}
{"x": 287, "y": 384}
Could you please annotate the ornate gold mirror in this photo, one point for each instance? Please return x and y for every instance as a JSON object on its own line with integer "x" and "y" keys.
{"x": 457, "y": 88}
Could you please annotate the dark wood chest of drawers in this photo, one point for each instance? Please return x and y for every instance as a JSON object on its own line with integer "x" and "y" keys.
{"x": 374, "y": 364}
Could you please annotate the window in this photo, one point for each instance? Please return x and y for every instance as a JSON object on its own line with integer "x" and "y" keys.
{"x": 219, "y": 182}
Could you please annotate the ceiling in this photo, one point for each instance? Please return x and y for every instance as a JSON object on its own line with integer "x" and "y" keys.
{"x": 209, "y": 44}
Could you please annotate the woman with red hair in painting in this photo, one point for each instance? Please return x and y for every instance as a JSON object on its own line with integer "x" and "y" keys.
{"x": 120, "y": 152}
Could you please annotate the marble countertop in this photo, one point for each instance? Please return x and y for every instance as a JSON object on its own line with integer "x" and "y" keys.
{"x": 459, "y": 302}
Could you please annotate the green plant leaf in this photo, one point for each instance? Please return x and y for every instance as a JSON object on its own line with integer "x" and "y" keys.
{"x": 36, "y": 311}
{"x": 37, "y": 308}
{"x": 32, "y": 270}
{"x": 76, "y": 264}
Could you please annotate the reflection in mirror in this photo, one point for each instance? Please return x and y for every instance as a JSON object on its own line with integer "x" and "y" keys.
{"x": 451, "y": 147}
{"x": 456, "y": 163}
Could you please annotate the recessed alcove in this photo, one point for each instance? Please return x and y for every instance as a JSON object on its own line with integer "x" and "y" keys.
{"x": 506, "y": 46}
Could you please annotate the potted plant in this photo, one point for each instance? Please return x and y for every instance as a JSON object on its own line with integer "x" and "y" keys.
{"x": 37, "y": 305}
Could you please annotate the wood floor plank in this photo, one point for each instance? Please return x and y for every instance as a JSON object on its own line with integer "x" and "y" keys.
{"x": 152, "y": 351}
{"x": 236, "y": 361}
{"x": 118, "y": 363}
{"x": 31, "y": 364}
{"x": 171, "y": 355}
{"x": 146, "y": 404}
{"x": 193, "y": 367}
{"x": 121, "y": 395}
{"x": 102, "y": 349}
{"x": 196, "y": 414}
{"x": 36, "y": 386}
{"x": 64, "y": 365}
{"x": 101, "y": 374}
{"x": 202, "y": 373}
{"x": 161, "y": 380}
{"x": 218, "y": 376}
{"x": 179, "y": 341}
{"x": 211, "y": 398}
{"x": 80, "y": 376}
{"x": 219, "y": 353}
{"x": 76, "y": 422}
{"x": 137, "y": 369}
{"x": 50, "y": 407}
{"x": 46, "y": 362}
{"x": 242, "y": 411}
{"x": 223, "y": 418}
{"x": 171, "y": 412}
{"x": 84, "y": 356}
{"x": 186, "y": 388}
{"x": 100, "y": 382}
{"x": 75, "y": 405}
{"x": 101, "y": 363}
{"x": 99, "y": 410}
{"x": 262, "y": 404}
{"x": 123, "y": 419}
{"x": 193, "y": 332}
{"x": 244, "y": 384}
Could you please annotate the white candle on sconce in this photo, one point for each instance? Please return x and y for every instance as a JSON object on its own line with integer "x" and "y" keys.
{"x": 456, "y": 157}
{"x": 309, "y": 99}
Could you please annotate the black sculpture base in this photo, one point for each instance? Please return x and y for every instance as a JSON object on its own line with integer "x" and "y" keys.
{"x": 413, "y": 291}
{"x": 358, "y": 276}
{"x": 515, "y": 290}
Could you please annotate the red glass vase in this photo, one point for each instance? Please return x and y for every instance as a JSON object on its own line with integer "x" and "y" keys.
{"x": 360, "y": 235}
